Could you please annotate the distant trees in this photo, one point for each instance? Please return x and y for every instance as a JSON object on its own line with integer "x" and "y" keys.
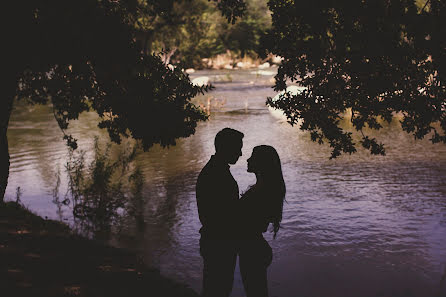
{"x": 246, "y": 34}
{"x": 197, "y": 29}
{"x": 85, "y": 55}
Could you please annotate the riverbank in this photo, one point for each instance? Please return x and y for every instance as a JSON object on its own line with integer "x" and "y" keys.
{"x": 42, "y": 257}
{"x": 231, "y": 60}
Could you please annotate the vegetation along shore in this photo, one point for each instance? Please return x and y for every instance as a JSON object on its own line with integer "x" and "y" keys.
{"x": 33, "y": 253}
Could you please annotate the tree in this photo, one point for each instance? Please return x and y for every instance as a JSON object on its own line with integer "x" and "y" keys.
{"x": 177, "y": 32}
{"x": 366, "y": 60}
{"x": 246, "y": 34}
{"x": 192, "y": 30}
{"x": 85, "y": 55}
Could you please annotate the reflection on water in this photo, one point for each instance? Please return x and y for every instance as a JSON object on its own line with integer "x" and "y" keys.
{"x": 354, "y": 226}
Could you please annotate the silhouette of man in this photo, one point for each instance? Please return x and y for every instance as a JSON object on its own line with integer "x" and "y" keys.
{"x": 217, "y": 194}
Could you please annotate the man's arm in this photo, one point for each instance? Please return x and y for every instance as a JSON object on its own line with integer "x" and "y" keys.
{"x": 212, "y": 201}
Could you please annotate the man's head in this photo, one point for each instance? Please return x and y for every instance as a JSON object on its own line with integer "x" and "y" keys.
{"x": 228, "y": 145}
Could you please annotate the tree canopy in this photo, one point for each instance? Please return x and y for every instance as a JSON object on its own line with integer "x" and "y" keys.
{"x": 366, "y": 60}
{"x": 85, "y": 55}
{"x": 82, "y": 55}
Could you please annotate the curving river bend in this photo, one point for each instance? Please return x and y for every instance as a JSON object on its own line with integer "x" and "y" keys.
{"x": 355, "y": 226}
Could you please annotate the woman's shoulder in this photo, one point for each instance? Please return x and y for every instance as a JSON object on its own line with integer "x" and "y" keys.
{"x": 260, "y": 190}
{"x": 254, "y": 195}
{"x": 250, "y": 192}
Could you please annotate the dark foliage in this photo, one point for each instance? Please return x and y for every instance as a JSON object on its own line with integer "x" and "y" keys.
{"x": 231, "y": 9}
{"x": 366, "y": 59}
{"x": 104, "y": 191}
{"x": 84, "y": 57}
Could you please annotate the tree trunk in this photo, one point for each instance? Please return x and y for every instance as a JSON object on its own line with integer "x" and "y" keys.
{"x": 5, "y": 113}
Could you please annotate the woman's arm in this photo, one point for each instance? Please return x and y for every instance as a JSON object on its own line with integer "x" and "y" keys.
{"x": 253, "y": 213}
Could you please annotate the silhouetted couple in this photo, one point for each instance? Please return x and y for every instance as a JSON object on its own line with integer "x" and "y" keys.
{"x": 234, "y": 226}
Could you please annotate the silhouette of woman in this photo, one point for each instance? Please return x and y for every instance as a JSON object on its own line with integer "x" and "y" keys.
{"x": 259, "y": 206}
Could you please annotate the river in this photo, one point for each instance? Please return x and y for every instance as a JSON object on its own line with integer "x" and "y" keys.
{"x": 358, "y": 225}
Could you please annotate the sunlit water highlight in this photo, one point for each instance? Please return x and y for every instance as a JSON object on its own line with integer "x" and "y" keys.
{"x": 354, "y": 226}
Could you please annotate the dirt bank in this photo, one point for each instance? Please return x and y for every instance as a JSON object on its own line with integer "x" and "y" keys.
{"x": 41, "y": 257}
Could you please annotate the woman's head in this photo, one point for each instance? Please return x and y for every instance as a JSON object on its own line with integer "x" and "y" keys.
{"x": 265, "y": 163}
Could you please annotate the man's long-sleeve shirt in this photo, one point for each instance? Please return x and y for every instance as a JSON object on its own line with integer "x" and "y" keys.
{"x": 217, "y": 194}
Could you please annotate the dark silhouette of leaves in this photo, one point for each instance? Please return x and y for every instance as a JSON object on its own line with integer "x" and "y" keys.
{"x": 85, "y": 57}
{"x": 366, "y": 59}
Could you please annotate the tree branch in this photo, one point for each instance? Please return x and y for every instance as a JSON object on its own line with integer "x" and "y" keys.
{"x": 427, "y": 2}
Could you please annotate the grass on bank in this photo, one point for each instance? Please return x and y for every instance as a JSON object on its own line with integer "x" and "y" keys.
{"x": 42, "y": 257}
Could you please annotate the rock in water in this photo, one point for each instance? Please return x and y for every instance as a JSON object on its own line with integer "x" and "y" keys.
{"x": 200, "y": 81}
{"x": 264, "y": 65}
{"x": 278, "y": 113}
{"x": 276, "y": 60}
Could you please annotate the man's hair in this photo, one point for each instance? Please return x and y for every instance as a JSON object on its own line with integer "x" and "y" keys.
{"x": 227, "y": 137}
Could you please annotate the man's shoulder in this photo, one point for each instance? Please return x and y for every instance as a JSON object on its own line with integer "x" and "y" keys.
{"x": 211, "y": 168}
{"x": 205, "y": 172}
{"x": 213, "y": 173}
{"x": 206, "y": 168}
